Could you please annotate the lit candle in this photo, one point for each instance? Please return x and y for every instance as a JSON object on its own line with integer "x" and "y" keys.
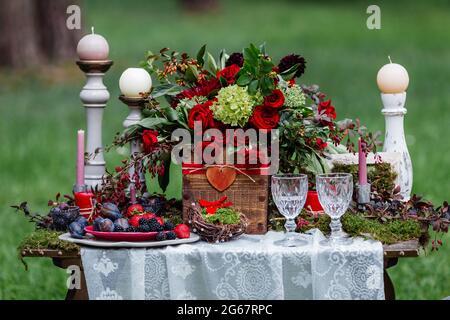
{"x": 80, "y": 158}
{"x": 134, "y": 82}
{"x": 392, "y": 78}
{"x": 362, "y": 165}
{"x": 93, "y": 47}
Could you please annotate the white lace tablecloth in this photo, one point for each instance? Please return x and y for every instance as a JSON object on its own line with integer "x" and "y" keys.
{"x": 248, "y": 268}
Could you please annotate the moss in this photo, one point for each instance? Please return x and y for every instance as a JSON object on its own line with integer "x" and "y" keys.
{"x": 222, "y": 216}
{"x": 380, "y": 175}
{"x": 45, "y": 239}
{"x": 356, "y": 225}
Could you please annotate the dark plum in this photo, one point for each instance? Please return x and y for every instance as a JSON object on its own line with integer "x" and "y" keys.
{"x": 82, "y": 221}
{"x": 122, "y": 223}
{"x": 97, "y": 223}
{"x": 107, "y": 225}
{"x": 111, "y": 211}
{"x": 76, "y": 230}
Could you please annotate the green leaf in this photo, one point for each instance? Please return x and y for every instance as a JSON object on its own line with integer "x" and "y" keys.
{"x": 169, "y": 89}
{"x": 262, "y": 48}
{"x": 164, "y": 180}
{"x": 266, "y": 66}
{"x": 253, "y": 87}
{"x": 223, "y": 81}
{"x": 153, "y": 123}
{"x": 170, "y": 113}
{"x": 267, "y": 86}
{"x": 223, "y": 57}
{"x": 210, "y": 64}
{"x": 201, "y": 54}
{"x": 243, "y": 80}
{"x": 191, "y": 73}
{"x": 290, "y": 73}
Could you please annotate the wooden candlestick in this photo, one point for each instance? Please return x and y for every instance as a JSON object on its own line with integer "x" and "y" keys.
{"x": 94, "y": 97}
{"x": 135, "y": 105}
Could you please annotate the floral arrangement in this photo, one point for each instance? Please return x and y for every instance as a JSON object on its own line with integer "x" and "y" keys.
{"x": 219, "y": 212}
{"x": 242, "y": 90}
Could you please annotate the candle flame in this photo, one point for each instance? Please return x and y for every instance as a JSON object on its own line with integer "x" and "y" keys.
{"x": 390, "y": 59}
{"x": 92, "y": 29}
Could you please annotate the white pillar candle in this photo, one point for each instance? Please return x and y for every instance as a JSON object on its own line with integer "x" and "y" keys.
{"x": 134, "y": 82}
{"x": 392, "y": 78}
{"x": 93, "y": 47}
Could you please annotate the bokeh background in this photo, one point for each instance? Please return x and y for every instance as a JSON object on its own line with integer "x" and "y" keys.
{"x": 40, "y": 110}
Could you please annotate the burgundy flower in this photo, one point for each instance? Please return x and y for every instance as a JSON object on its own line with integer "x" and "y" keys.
{"x": 326, "y": 112}
{"x": 235, "y": 58}
{"x": 291, "y": 60}
{"x": 149, "y": 140}
{"x": 229, "y": 73}
{"x": 264, "y": 118}
{"x": 202, "y": 113}
{"x": 321, "y": 144}
{"x": 275, "y": 100}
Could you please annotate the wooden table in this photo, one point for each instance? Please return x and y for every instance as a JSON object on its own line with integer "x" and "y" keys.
{"x": 64, "y": 259}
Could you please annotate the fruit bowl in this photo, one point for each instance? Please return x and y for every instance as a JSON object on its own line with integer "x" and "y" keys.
{"x": 121, "y": 236}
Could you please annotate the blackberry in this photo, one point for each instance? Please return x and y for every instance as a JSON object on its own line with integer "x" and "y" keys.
{"x": 144, "y": 228}
{"x": 118, "y": 229}
{"x": 161, "y": 236}
{"x": 171, "y": 235}
{"x": 168, "y": 226}
{"x": 153, "y": 220}
{"x": 130, "y": 229}
{"x": 155, "y": 226}
{"x": 143, "y": 221}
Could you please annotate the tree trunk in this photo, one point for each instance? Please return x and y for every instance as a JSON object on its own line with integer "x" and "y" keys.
{"x": 35, "y": 32}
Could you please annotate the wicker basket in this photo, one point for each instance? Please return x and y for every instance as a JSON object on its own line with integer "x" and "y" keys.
{"x": 215, "y": 233}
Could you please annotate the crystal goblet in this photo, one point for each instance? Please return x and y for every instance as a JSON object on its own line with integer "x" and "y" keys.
{"x": 289, "y": 194}
{"x": 335, "y": 192}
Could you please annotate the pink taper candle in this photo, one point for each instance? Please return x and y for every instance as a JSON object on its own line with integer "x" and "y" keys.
{"x": 132, "y": 193}
{"x": 362, "y": 164}
{"x": 80, "y": 158}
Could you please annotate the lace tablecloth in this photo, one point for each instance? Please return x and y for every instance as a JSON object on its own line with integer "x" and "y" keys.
{"x": 248, "y": 268}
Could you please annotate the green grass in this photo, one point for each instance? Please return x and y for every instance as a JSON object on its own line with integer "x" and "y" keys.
{"x": 40, "y": 114}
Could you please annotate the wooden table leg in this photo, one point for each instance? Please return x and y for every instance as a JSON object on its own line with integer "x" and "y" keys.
{"x": 74, "y": 294}
{"x": 389, "y": 290}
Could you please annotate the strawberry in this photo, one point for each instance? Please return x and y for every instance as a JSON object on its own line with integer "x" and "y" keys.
{"x": 148, "y": 215}
{"x": 134, "y": 220}
{"x": 182, "y": 231}
{"x": 160, "y": 220}
{"x": 133, "y": 209}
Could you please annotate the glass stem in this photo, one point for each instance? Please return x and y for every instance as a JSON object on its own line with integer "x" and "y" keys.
{"x": 336, "y": 227}
{"x": 290, "y": 228}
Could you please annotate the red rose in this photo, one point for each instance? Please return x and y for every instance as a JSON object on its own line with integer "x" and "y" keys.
{"x": 201, "y": 112}
{"x": 321, "y": 144}
{"x": 275, "y": 100}
{"x": 291, "y": 82}
{"x": 327, "y": 110}
{"x": 264, "y": 118}
{"x": 149, "y": 140}
{"x": 229, "y": 73}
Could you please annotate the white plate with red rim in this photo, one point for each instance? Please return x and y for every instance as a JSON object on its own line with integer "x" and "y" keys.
{"x": 93, "y": 242}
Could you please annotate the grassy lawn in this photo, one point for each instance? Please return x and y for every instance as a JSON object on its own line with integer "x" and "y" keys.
{"x": 40, "y": 111}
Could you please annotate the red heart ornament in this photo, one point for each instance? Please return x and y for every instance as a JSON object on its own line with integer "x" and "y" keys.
{"x": 221, "y": 178}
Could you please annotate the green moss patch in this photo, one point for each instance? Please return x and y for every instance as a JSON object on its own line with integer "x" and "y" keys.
{"x": 45, "y": 239}
{"x": 356, "y": 225}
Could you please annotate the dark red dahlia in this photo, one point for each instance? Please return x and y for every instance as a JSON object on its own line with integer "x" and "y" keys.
{"x": 235, "y": 58}
{"x": 291, "y": 60}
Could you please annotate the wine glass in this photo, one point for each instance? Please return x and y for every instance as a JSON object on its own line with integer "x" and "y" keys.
{"x": 289, "y": 194}
{"x": 335, "y": 192}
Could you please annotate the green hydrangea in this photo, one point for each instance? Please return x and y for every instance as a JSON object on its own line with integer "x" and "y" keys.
{"x": 294, "y": 97}
{"x": 234, "y": 105}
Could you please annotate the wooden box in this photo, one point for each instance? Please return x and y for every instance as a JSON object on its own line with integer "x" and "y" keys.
{"x": 249, "y": 197}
